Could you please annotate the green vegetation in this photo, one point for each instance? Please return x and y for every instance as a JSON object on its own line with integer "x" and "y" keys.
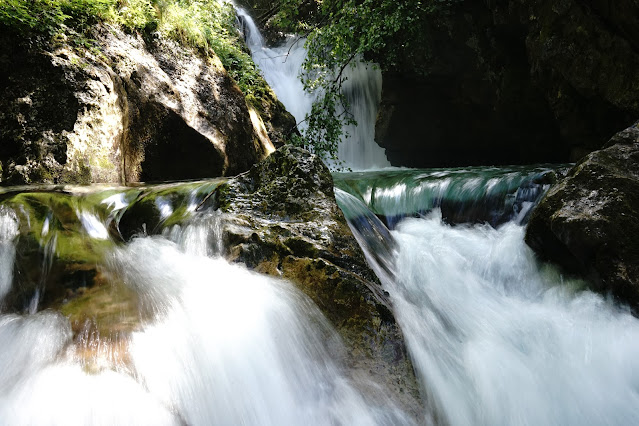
{"x": 204, "y": 24}
{"x": 340, "y": 32}
{"x": 55, "y": 16}
{"x": 211, "y": 24}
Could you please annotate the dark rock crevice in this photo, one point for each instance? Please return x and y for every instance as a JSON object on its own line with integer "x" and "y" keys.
{"x": 511, "y": 82}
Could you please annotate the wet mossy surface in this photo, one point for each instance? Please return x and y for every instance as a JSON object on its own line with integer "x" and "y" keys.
{"x": 54, "y": 254}
{"x": 64, "y": 234}
{"x": 64, "y": 237}
{"x": 109, "y": 308}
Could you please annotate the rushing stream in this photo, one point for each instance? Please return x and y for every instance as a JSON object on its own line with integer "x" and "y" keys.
{"x": 496, "y": 337}
{"x": 211, "y": 343}
{"x": 184, "y": 337}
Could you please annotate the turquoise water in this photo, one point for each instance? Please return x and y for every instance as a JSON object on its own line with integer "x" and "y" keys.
{"x": 476, "y": 194}
{"x": 496, "y": 336}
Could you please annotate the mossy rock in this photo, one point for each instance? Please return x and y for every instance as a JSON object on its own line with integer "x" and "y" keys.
{"x": 102, "y": 318}
{"x": 281, "y": 218}
{"x": 53, "y": 250}
{"x": 158, "y": 207}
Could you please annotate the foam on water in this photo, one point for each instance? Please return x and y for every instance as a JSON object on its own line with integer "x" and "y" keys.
{"x": 217, "y": 344}
{"x": 498, "y": 339}
{"x": 281, "y": 66}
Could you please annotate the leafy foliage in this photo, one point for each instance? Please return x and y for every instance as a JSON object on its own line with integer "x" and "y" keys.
{"x": 341, "y": 32}
{"x": 200, "y": 23}
{"x": 51, "y": 16}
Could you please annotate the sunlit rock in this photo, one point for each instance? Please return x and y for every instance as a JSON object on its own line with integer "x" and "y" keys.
{"x": 124, "y": 109}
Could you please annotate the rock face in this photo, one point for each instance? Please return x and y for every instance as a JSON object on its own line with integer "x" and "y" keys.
{"x": 123, "y": 109}
{"x": 589, "y": 222}
{"x": 517, "y": 81}
{"x": 281, "y": 218}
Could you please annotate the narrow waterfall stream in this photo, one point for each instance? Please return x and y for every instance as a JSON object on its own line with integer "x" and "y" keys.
{"x": 281, "y": 67}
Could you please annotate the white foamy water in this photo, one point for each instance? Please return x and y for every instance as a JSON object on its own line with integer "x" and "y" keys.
{"x": 498, "y": 340}
{"x": 218, "y": 345}
{"x": 281, "y": 67}
{"x": 236, "y": 348}
{"x": 8, "y": 233}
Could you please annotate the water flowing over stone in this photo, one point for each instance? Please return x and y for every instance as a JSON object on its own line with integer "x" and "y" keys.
{"x": 282, "y": 66}
{"x": 161, "y": 330}
{"x": 496, "y": 337}
{"x": 466, "y": 195}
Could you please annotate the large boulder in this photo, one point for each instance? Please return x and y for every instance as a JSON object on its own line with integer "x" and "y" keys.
{"x": 281, "y": 218}
{"x": 124, "y": 109}
{"x": 589, "y": 221}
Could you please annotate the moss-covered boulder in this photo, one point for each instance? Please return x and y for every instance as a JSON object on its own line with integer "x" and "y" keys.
{"x": 589, "y": 221}
{"x": 55, "y": 255}
{"x": 281, "y": 218}
{"x": 59, "y": 246}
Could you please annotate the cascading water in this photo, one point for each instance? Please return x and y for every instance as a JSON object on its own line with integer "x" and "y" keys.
{"x": 281, "y": 67}
{"x": 215, "y": 343}
{"x": 475, "y": 194}
{"x": 496, "y": 337}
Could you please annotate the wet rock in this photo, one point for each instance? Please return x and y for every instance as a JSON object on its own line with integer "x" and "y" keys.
{"x": 126, "y": 109}
{"x": 54, "y": 254}
{"x": 281, "y": 218}
{"x": 589, "y": 221}
{"x": 60, "y": 267}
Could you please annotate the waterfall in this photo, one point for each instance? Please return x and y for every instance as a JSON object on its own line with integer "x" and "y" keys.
{"x": 496, "y": 337}
{"x": 281, "y": 67}
{"x": 465, "y": 195}
{"x": 210, "y": 342}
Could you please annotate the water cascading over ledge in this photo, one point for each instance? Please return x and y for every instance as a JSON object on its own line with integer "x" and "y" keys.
{"x": 493, "y": 195}
{"x": 112, "y": 277}
{"x": 282, "y": 65}
{"x": 496, "y": 337}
